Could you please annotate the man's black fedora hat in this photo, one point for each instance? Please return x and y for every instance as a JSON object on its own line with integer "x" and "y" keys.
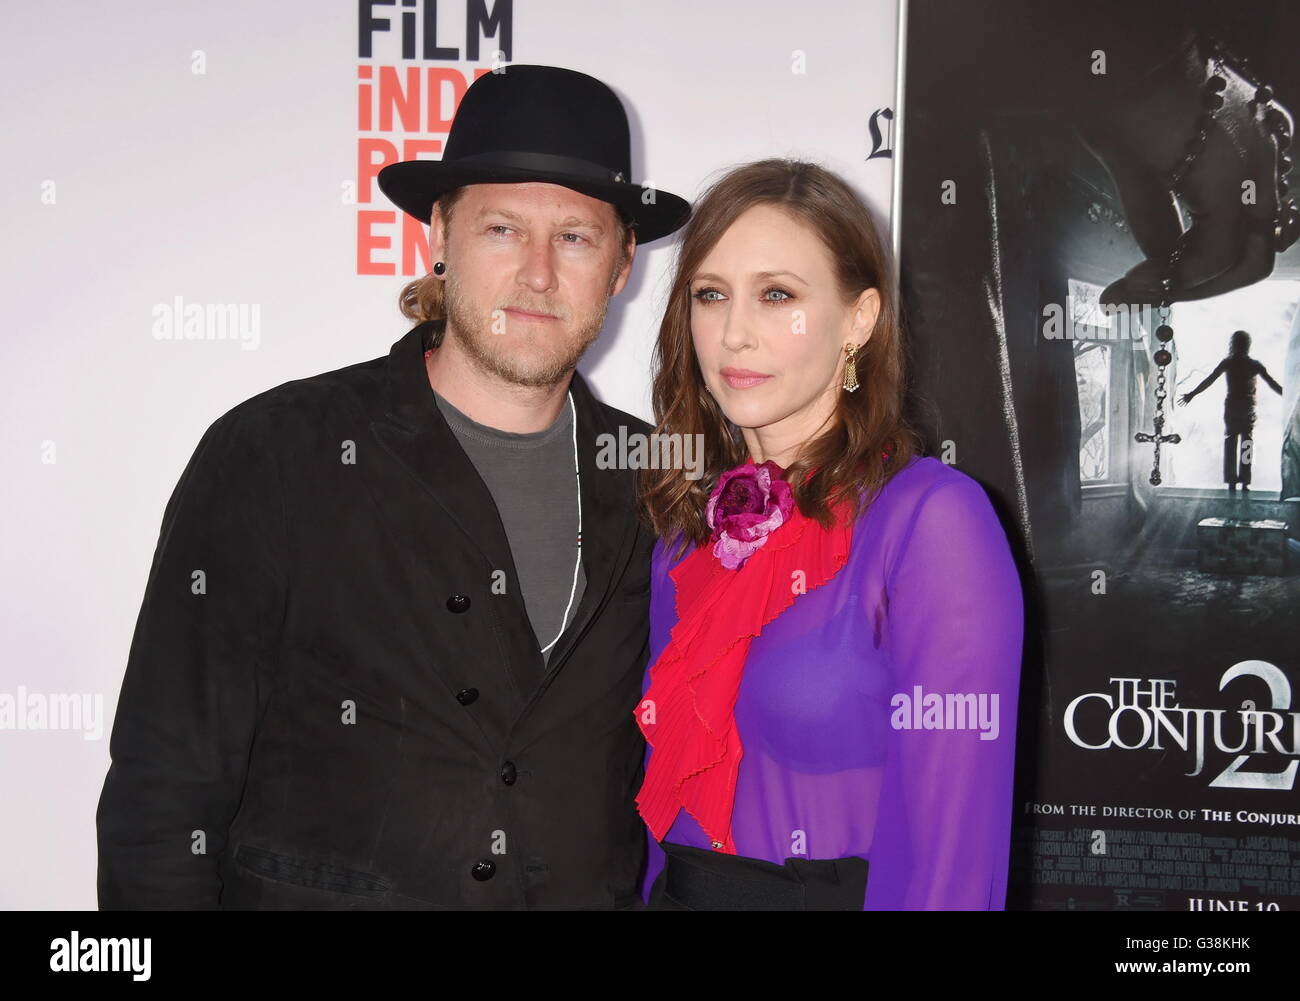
{"x": 538, "y": 123}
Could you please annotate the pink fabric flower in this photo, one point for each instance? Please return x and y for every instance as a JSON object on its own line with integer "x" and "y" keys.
{"x": 748, "y": 504}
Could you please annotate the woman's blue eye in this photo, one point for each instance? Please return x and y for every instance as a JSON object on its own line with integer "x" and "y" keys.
{"x": 707, "y": 295}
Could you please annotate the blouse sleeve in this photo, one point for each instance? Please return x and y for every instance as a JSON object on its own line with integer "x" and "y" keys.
{"x": 663, "y": 616}
{"x": 956, "y": 617}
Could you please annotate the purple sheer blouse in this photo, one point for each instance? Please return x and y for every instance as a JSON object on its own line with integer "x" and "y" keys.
{"x": 845, "y": 750}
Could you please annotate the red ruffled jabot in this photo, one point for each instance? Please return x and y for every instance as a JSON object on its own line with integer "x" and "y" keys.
{"x": 686, "y": 713}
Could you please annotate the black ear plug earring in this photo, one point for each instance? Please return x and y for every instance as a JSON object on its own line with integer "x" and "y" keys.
{"x": 439, "y": 268}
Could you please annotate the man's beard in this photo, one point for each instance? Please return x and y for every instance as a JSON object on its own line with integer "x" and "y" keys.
{"x": 473, "y": 332}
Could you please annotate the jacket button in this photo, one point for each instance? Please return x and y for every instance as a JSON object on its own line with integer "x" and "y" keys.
{"x": 483, "y": 870}
{"x": 466, "y": 695}
{"x": 508, "y": 773}
{"x": 458, "y": 603}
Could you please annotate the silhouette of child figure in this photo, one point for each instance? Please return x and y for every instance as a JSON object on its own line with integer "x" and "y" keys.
{"x": 1238, "y": 406}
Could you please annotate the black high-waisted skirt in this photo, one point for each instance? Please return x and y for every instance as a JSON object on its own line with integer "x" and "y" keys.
{"x": 697, "y": 880}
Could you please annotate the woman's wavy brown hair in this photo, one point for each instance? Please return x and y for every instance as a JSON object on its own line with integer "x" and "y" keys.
{"x": 422, "y": 299}
{"x": 847, "y": 455}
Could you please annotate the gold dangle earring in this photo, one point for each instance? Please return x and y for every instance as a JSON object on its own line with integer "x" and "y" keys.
{"x": 851, "y": 368}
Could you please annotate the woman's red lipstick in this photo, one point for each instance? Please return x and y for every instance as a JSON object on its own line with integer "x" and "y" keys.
{"x": 743, "y": 378}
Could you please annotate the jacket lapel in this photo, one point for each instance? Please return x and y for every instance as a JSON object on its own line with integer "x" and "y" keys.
{"x": 414, "y": 431}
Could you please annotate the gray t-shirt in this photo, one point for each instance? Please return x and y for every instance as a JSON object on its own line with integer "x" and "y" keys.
{"x": 533, "y": 482}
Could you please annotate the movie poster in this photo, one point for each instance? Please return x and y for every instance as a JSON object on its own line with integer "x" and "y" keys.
{"x": 1099, "y": 249}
